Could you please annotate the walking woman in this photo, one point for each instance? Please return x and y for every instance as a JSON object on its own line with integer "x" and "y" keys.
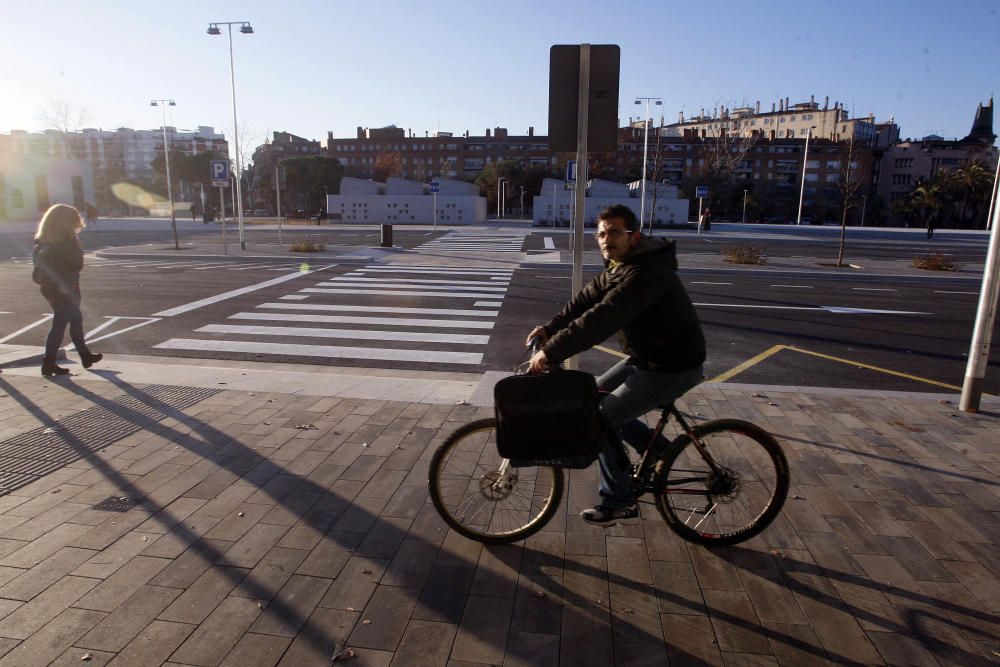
{"x": 58, "y": 258}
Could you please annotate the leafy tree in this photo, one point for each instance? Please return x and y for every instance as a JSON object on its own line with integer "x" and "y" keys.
{"x": 309, "y": 179}
{"x": 972, "y": 185}
{"x": 386, "y": 165}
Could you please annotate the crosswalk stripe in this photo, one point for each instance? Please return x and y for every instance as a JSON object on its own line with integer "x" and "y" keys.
{"x": 371, "y": 321}
{"x": 294, "y": 297}
{"x": 442, "y": 272}
{"x": 383, "y": 309}
{"x": 354, "y": 334}
{"x": 394, "y": 292}
{"x": 457, "y": 288}
{"x": 350, "y": 277}
{"x": 488, "y": 304}
{"x": 290, "y": 349}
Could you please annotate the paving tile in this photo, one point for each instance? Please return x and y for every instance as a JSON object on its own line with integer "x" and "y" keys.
{"x": 482, "y": 633}
{"x": 444, "y": 594}
{"x": 324, "y": 629}
{"x": 690, "y": 640}
{"x": 198, "y": 601}
{"x": 32, "y": 582}
{"x": 218, "y": 634}
{"x": 795, "y": 645}
{"x": 353, "y": 587}
{"x": 586, "y": 622}
{"x": 37, "y": 551}
{"x": 254, "y": 544}
{"x": 290, "y": 608}
{"x": 186, "y": 567}
{"x": 979, "y": 581}
{"x": 254, "y": 650}
{"x": 53, "y": 639}
{"x": 898, "y": 649}
{"x": 388, "y": 611}
{"x": 412, "y": 563}
{"x": 270, "y": 574}
{"x": 121, "y": 626}
{"x": 117, "y": 588}
{"x": 327, "y": 559}
{"x": 31, "y": 616}
{"x": 425, "y": 643}
{"x": 72, "y": 657}
{"x": 527, "y": 649}
{"x": 153, "y": 645}
{"x": 115, "y": 556}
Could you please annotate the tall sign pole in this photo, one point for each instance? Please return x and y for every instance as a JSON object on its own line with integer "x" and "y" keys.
{"x": 979, "y": 351}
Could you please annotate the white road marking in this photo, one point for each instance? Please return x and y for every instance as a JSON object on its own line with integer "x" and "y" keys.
{"x": 200, "y": 303}
{"x": 272, "y": 266}
{"x": 426, "y": 356}
{"x": 111, "y": 320}
{"x": 382, "y": 309}
{"x": 794, "y": 286}
{"x": 351, "y": 278}
{"x": 387, "y": 292}
{"x": 488, "y": 304}
{"x": 874, "y": 289}
{"x": 27, "y": 328}
{"x": 703, "y": 282}
{"x": 294, "y": 297}
{"x": 946, "y": 292}
{"x": 370, "y": 321}
{"x": 355, "y": 334}
{"x": 830, "y": 309}
{"x": 395, "y": 285}
{"x": 549, "y": 243}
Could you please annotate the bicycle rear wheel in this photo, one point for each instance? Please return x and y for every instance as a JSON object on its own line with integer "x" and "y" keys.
{"x": 732, "y": 503}
{"x": 467, "y": 488}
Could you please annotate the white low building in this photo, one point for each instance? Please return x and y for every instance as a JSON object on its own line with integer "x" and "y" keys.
{"x": 554, "y": 206}
{"x": 402, "y": 201}
{"x": 29, "y": 184}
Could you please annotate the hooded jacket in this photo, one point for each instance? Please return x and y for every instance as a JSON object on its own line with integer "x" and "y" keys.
{"x": 643, "y": 300}
{"x": 59, "y": 265}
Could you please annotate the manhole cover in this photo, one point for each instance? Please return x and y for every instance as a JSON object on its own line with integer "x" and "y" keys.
{"x": 115, "y": 504}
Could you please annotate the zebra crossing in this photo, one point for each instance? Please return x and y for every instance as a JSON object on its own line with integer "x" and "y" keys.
{"x": 437, "y": 315}
{"x": 471, "y": 241}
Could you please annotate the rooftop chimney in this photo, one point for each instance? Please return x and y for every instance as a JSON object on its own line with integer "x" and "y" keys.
{"x": 531, "y": 131}
{"x": 757, "y": 107}
{"x": 826, "y": 103}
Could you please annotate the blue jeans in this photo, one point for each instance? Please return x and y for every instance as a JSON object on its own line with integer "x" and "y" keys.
{"x": 65, "y": 311}
{"x": 634, "y": 392}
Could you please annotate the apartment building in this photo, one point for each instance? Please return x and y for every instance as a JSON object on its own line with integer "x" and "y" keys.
{"x": 443, "y": 154}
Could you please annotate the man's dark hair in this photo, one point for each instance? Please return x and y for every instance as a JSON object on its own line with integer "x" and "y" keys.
{"x": 624, "y": 213}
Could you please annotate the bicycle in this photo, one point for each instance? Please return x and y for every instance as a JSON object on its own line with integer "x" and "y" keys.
{"x": 720, "y": 482}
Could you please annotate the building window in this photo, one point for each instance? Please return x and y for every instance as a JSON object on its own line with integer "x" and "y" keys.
{"x": 16, "y": 198}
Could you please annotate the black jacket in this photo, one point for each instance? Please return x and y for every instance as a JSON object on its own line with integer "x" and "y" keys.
{"x": 59, "y": 265}
{"x": 643, "y": 300}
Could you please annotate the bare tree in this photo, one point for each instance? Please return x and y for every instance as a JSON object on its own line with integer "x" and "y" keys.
{"x": 848, "y": 188}
{"x": 63, "y": 116}
{"x": 656, "y": 175}
{"x": 725, "y": 145}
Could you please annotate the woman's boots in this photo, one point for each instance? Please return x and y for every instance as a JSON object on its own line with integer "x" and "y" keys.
{"x": 49, "y": 368}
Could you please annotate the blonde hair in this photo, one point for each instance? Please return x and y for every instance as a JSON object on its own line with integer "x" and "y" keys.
{"x": 59, "y": 222}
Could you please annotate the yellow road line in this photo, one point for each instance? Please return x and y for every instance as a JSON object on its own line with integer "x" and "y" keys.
{"x": 875, "y": 368}
{"x": 610, "y": 351}
{"x": 736, "y": 370}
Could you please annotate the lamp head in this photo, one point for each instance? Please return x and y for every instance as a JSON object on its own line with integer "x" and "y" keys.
{"x": 172, "y": 103}
{"x": 213, "y": 29}
{"x": 638, "y": 101}
{"x": 659, "y": 103}
{"x": 153, "y": 103}
{"x": 246, "y": 29}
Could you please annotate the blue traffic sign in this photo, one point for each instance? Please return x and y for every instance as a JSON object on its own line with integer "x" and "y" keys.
{"x": 701, "y": 191}
{"x": 220, "y": 172}
{"x": 571, "y": 171}
{"x": 435, "y": 186}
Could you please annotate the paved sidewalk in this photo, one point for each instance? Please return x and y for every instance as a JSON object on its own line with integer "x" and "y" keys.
{"x": 265, "y": 527}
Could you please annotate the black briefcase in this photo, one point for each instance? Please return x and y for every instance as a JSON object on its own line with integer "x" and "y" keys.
{"x": 549, "y": 420}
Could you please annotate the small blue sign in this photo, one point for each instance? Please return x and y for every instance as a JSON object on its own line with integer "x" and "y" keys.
{"x": 435, "y": 187}
{"x": 220, "y": 172}
{"x": 701, "y": 191}
{"x": 571, "y": 171}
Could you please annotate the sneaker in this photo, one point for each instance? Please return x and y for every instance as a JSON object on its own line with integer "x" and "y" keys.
{"x": 609, "y": 516}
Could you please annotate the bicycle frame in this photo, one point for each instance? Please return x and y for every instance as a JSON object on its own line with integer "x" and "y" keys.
{"x": 642, "y": 469}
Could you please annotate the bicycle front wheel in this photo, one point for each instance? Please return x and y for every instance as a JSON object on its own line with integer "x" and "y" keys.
{"x": 479, "y": 499}
{"x": 728, "y": 503}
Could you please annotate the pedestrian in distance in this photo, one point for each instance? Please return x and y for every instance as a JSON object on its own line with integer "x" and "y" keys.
{"x": 931, "y": 224}
{"x": 58, "y": 260}
{"x": 91, "y": 215}
{"x": 639, "y": 296}
{"x": 705, "y": 224}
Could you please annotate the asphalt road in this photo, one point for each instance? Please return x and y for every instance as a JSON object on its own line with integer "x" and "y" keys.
{"x": 785, "y": 329}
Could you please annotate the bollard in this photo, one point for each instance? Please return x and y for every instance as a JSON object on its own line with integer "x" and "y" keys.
{"x": 386, "y": 236}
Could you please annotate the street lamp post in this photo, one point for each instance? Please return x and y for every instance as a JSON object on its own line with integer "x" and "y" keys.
{"x": 500, "y": 182}
{"x": 745, "y": 206}
{"x": 246, "y": 29}
{"x": 166, "y": 159}
{"x": 805, "y": 160}
{"x": 522, "y": 202}
{"x": 645, "y": 155}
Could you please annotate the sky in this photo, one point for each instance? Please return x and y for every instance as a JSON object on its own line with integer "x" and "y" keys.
{"x": 313, "y": 67}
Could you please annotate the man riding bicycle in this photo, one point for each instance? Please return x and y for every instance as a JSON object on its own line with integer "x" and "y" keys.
{"x": 639, "y": 296}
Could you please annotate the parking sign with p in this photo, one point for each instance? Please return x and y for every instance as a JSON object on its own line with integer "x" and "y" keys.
{"x": 220, "y": 173}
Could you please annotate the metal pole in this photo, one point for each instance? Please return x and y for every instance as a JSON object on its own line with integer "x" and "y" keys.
{"x": 645, "y": 154}
{"x": 232, "y": 194}
{"x": 993, "y": 200}
{"x": 222, "y": 209}
{"x": 582, "y": 125}
{"x": 434, "y": 206}
{"x": 236, "y": 140}
{"x": 166, "y": 159}
{"x": 700, "y": 200}
{"x": 745, "y": 207}
{"x": 499, "y": 181}
{"x": 277, "y": 189}
{"x": 979, "y": 349}
{"x": 802, "y": 188}
{"x": 864, "y": 205}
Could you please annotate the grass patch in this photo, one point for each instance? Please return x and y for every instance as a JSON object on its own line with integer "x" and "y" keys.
{"x": 744, "y": 254}
{"x": 935, "y": 262}
{"x": 303, "y": 245}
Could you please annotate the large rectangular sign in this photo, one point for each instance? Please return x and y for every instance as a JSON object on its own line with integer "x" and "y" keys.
{"x": 564, "y": 90}
{"x": 220, "y": 173}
